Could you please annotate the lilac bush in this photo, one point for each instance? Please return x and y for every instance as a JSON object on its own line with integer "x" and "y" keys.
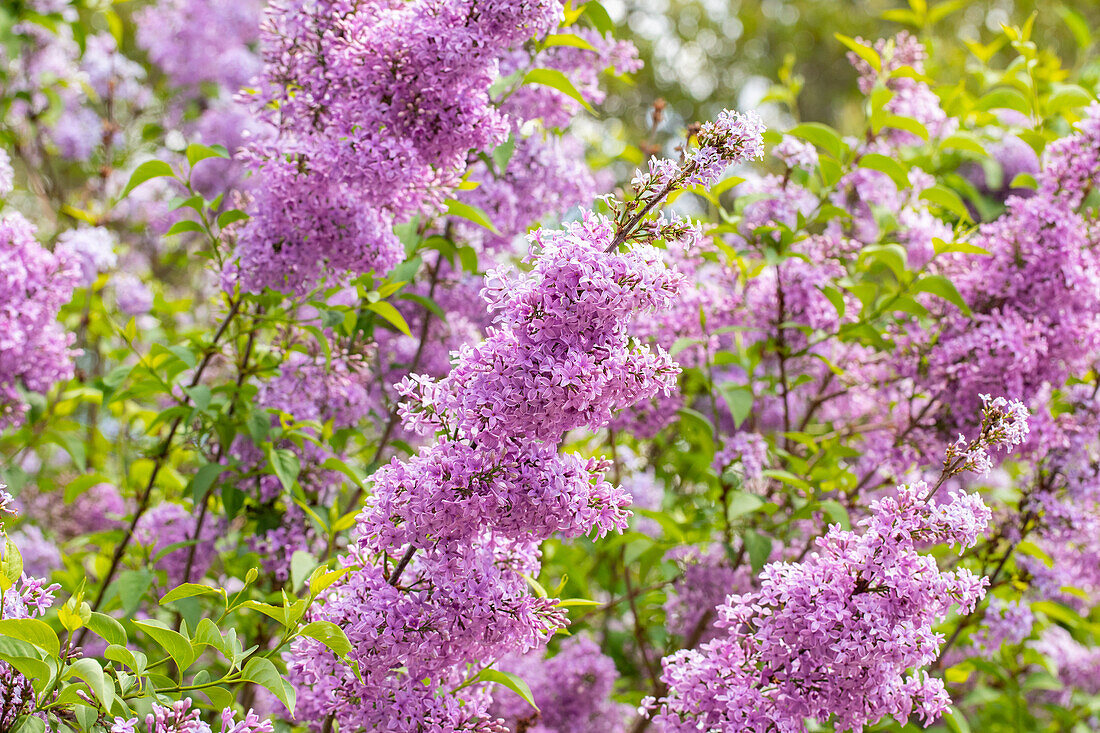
{"x": 369, "y": 366}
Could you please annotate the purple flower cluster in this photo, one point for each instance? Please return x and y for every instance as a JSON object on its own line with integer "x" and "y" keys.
{"x": 707, "y": 578}
{"x": 197, "y": 41}
{"x": 35, "y": 350}
{"x": 94, "y": 248}
{"x": 308, "y": 388}
{"x": 838, "y": 637}
{"x": 376, "y": 105}
{"x": 168, "y": 524}
{"x": 180, "y": 717}
{"x": 31, "y": 598}
{"x": 1035, "y": 299}
{"x": 571, "y": 688}
{"x": 750, "y": 450}
{"x": 912, "y": 98}
{"x": 559, "y": 356}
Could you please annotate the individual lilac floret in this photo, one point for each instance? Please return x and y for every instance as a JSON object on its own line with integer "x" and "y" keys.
{"x": 796, "y": 153}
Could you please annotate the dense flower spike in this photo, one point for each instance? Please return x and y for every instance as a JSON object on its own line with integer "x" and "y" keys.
{"x": 559, "y": 356}
{"x": 834, "y": 637}
{"x": 376, "y": 107}
{"x": 35, "y": 350}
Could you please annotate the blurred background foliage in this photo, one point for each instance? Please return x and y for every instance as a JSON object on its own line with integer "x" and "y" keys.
{"x": 704, "y": 55}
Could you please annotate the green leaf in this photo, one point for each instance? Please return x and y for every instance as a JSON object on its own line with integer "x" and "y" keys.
{"x": 301, "y": 565}
{"x": 90, "y": 671}
{"x": 601, "y": 21}
{"x": 220, "y": 698}
{"x": 32, "y": 630}
{"x": 284, "y": 462}
{"x": 188, "y": 590}
{"x": 31, "y": 668}
{"x": 1030, "y": 548}
{"x": 197, "y": 152}
{"x": 946, "y": 198}
{"x": 955, "y": 721}
{"x": 391, "y": 314}
{"x": 428, "y": 304}
{"x": 739, "y": 399}
{"x": 787, "y": 477}
{"x": 12, "y": 562}
{"x": 740, "y": 503}
{"x": 889, "y": 166}
{"x": 836, "y": 298}
{"x": 836, "y": 513}
{"x": 943, "y": 247}
{"x": 1067, "y": 96}
{"x": 470, "y": 213}
{"x": 511, "y": 681}
{"x": 567, "y": 39}
{"x": 206, "y": 632}
{"x": 866, "y": 53}
{"x": 322, "y": 579}
{"x": 556, "y": 79}
{"x": 275, "y": 612}
{"x": 573, "y": 602}
{"x": 892, "y": 255}
{"x": 204, "y": 478}
{"x": 1005, "y": 98}
{"x": 940, "y": 286}
{"x": 107, "y": 628}
{"x": 263, "y": 673}
{"x": 231, "y": 216}
{"x": 132, "y": 587}
{"x": 148, "y": 170}
{"x": 759, "y": 547}
{"x": 1024, "y": 180}
{"x": 1057, "y": 612}
{"x": 822, "y": 136}
{"x": 176, "y": 644}
{"x": 29, "y": 724}
{"x": 135, "y": 660}
{"x": 963, "y": 141}
{"x": 328, "y": 634}
{"x": 908, "y": 124}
